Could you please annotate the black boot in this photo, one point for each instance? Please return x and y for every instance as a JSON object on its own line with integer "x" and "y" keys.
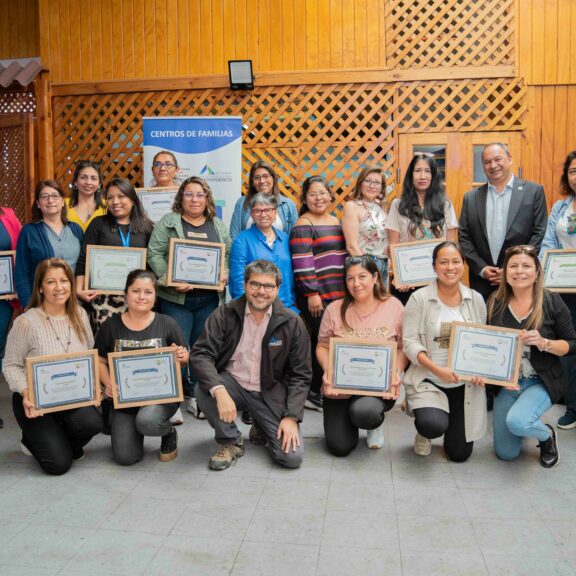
{"x": 549, "y": 456}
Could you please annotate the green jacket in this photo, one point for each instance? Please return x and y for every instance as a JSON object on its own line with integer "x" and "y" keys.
{"x": 170, "y": 226}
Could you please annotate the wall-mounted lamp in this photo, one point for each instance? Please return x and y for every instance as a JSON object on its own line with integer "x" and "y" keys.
{"x": 240, "y": 74}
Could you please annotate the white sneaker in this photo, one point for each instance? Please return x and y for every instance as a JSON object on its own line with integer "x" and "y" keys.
{"x": 192, "y": 407}
{"x": 24, "y": 449}
{"x": 177, "y": 419}
{"x": 375, "y": 438}
{"x": 422, "y": 446}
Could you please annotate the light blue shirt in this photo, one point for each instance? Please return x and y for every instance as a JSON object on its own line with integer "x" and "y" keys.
{"x": 65, "y": 245}
{"x": 497, "y": 207}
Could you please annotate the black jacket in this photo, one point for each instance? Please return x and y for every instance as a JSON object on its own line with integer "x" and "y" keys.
{"x": 285, "y": 370}
{"x": 556, "y": 325}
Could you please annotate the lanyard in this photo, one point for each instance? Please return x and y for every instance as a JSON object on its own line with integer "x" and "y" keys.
{"x": 125, "y": 238}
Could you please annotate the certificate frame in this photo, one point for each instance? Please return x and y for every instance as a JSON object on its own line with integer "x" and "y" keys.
{"x": 551, "y": 259}
{"x": 506, "y": 338}
{"x": 95, "y": 253}
{"x": 339, "y": 351}
{"x": 40, "y": 367}
{"x": 7, "y": 261}
{"x": 161, "y": 194}
{"x": 179, "y": 247}
{"x": 400, "y": 255}
{"x": 123, "y": 365}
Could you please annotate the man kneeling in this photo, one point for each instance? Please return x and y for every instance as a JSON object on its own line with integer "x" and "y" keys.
{"x": 254, "y": 354}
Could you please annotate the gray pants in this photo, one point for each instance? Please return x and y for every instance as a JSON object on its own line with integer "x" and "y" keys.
{"x": 129, "y": 426}
{"x": 261, "y": 413}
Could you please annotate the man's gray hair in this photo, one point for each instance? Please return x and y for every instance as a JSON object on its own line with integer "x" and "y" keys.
{"x": 262, "y": 198}
{"x": 263, "y": 267}
{"x": 500, "y": 145}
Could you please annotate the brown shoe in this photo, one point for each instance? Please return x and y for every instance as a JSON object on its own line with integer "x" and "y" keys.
{"x": 227, "y": 454}
{"x": 169, "y": 446}
{"x": 256, "y": 435}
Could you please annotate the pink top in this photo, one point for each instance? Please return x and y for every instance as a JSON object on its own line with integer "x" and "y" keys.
{"x": 12, "y": 225}
{"x": 244, "y": 364}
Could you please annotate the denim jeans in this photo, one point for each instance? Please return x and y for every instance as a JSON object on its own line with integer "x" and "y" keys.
{"x": 517, "y": 415}
{"x": 382, "y": 265}
{"x": 191, "y": 317}
{"x": 569, "y": 362}
{"x": 5, "y": 317}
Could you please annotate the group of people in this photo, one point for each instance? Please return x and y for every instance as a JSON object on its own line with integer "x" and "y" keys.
{"x": 297, "y": 278}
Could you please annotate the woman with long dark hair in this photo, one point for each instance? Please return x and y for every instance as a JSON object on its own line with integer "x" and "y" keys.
{"x": 86, "y": 200}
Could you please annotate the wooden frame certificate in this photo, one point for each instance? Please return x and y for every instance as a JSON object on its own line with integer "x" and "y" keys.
{"x": 412, "y": 262}
{"x": 489, "y": 352}
{"x": 63, "y": 381}
{"x": 157, "y": 201}
{"x": 198, "y": 264}
{"x": 145, "y": 377}
{"x": 7, "y": 290}
{"x": 560, "y": 270}
{"x": 108, "y": 266}
{"x": 363, "y": 367}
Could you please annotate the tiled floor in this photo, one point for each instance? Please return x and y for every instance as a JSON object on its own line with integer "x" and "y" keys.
{"x": 385, "y": 512}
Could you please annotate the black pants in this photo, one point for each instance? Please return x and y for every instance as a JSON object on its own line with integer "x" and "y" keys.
{"x": 343, "y": 419}
{"x": 433, "y": 423}
{"x": 56, "y": 438}
{"x": 313, "y": 326}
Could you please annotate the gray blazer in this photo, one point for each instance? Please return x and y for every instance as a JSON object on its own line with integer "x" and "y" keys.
{"x": 420, "y": 317}
{"x": 527, "y": 219}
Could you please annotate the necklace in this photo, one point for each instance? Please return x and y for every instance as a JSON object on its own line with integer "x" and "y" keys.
{"x": 68, "y": 341}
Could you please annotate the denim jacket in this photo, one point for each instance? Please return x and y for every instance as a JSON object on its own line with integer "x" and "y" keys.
{"x": 551, "y": 241}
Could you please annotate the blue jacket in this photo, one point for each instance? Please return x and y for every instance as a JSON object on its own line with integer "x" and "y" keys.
{"x": 251, "y": 245}
{"x": 33, "y": 247}
{"x": 286, "y": 210}
{"x": 551, "y": 241}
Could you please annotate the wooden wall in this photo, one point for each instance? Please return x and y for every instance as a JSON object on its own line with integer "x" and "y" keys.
{"x": 19, "y": 30}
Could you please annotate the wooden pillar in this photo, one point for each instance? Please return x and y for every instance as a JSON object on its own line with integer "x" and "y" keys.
{"x": 45, "y": 136}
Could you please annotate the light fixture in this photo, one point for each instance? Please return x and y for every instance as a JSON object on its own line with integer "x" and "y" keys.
{"x": 240, "y": 74}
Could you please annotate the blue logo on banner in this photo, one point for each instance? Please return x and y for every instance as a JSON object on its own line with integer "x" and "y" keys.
{"x": 191, "y": 135}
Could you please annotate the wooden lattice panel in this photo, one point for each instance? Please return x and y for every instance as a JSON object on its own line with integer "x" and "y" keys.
{"x": 17, "y": 102}
{"x": 12, "y": 169}
{"x": 432, "y": 33}
{"x": 329, "y": 129}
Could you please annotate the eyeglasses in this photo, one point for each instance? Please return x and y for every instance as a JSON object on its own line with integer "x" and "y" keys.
{"x": 372, "y": 183}
{"x": 522, "y": 249}
{"x": 262, "y": 211}
{"x": 262, "y": 177}
{"x": 268, "y": 286}
{"x": 317, "y": 195}
{"x": 167, "y": 165}
{"x": 46, "y": 197}
{"x": 192, "y": 195}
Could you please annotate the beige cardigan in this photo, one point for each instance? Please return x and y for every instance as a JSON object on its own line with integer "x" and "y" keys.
{"x": 420, "y": 317}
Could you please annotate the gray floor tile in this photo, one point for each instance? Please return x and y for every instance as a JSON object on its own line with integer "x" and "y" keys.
{"x": 183, "y": 556}
{"x": 263, "y": 559}
{"x": 179, "y": 486}
{"x": 444, "y": 563}
{"x": 25, "y": 571}
{"x": 357, "y": 497}
{"x": 502, "y": 503}
{"x": 527, "y": 565}
{"x": 422, "y": 472}
{"x": 363, "y": 465}
{"x": 285, "y": 493}
{"x": 431, "y": 501}
{"x": 348, "y": 560}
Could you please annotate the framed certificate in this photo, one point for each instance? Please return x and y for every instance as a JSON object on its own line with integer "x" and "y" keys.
{"x": 560, "y": 270}
{"x": 145, "y": 377}
{"x": 7, "y": 290}
{"x": 199, "y": 264}
{"x": 157, "y": 201}
{"x": 63, "y": 381}
{"x": 412, "y": 262}
{"x": 108, "y": 266}
{"x": 490, "y": 352}
{"x": 363, "y": 367}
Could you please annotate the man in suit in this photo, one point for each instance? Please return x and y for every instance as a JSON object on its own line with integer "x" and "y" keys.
{"x": 505, "y": 212}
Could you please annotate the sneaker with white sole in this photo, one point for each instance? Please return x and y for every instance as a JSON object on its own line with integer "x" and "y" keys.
{"x": 177, "y": 419}
{"x": 422, "y": 446}
{"x": 567, "y": 421}
{"x": 193, "y": 408}
{"x": 25, "y": 450}
{"x": 375, "y": 438}
{"x": 227, "y": 454}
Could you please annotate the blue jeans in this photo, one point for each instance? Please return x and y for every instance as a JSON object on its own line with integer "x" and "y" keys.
{"x": 569, "y": 362}
{"x": 191, "y": 317}
{"x": 382, "y": 265}
{"x": 5, "y": 317}
{"x": 517, "y": 414}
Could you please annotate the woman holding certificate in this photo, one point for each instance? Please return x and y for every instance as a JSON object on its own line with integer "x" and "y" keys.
{"x": 136, "y": 329}
{"x": 364, "y": 219}
{"x": 263, "y": 180}
{"x": 522, "y": 303}
{"x": 193, "y": 217}
{"x": 440, "y": 402}
{"x": 86, "y": 199}
{"x": 53, "y": 324}
{"x": 48, "y": 235}
{"x": 124, "y": 225}
{"x": 423, "y": 212}
{"x": 560, "y": 234}
{"x": 318, "y": 254}
{"x": 366, "y": 311}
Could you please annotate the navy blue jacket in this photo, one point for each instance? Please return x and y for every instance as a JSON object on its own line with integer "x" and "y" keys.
{"x": 33, "y": 247}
